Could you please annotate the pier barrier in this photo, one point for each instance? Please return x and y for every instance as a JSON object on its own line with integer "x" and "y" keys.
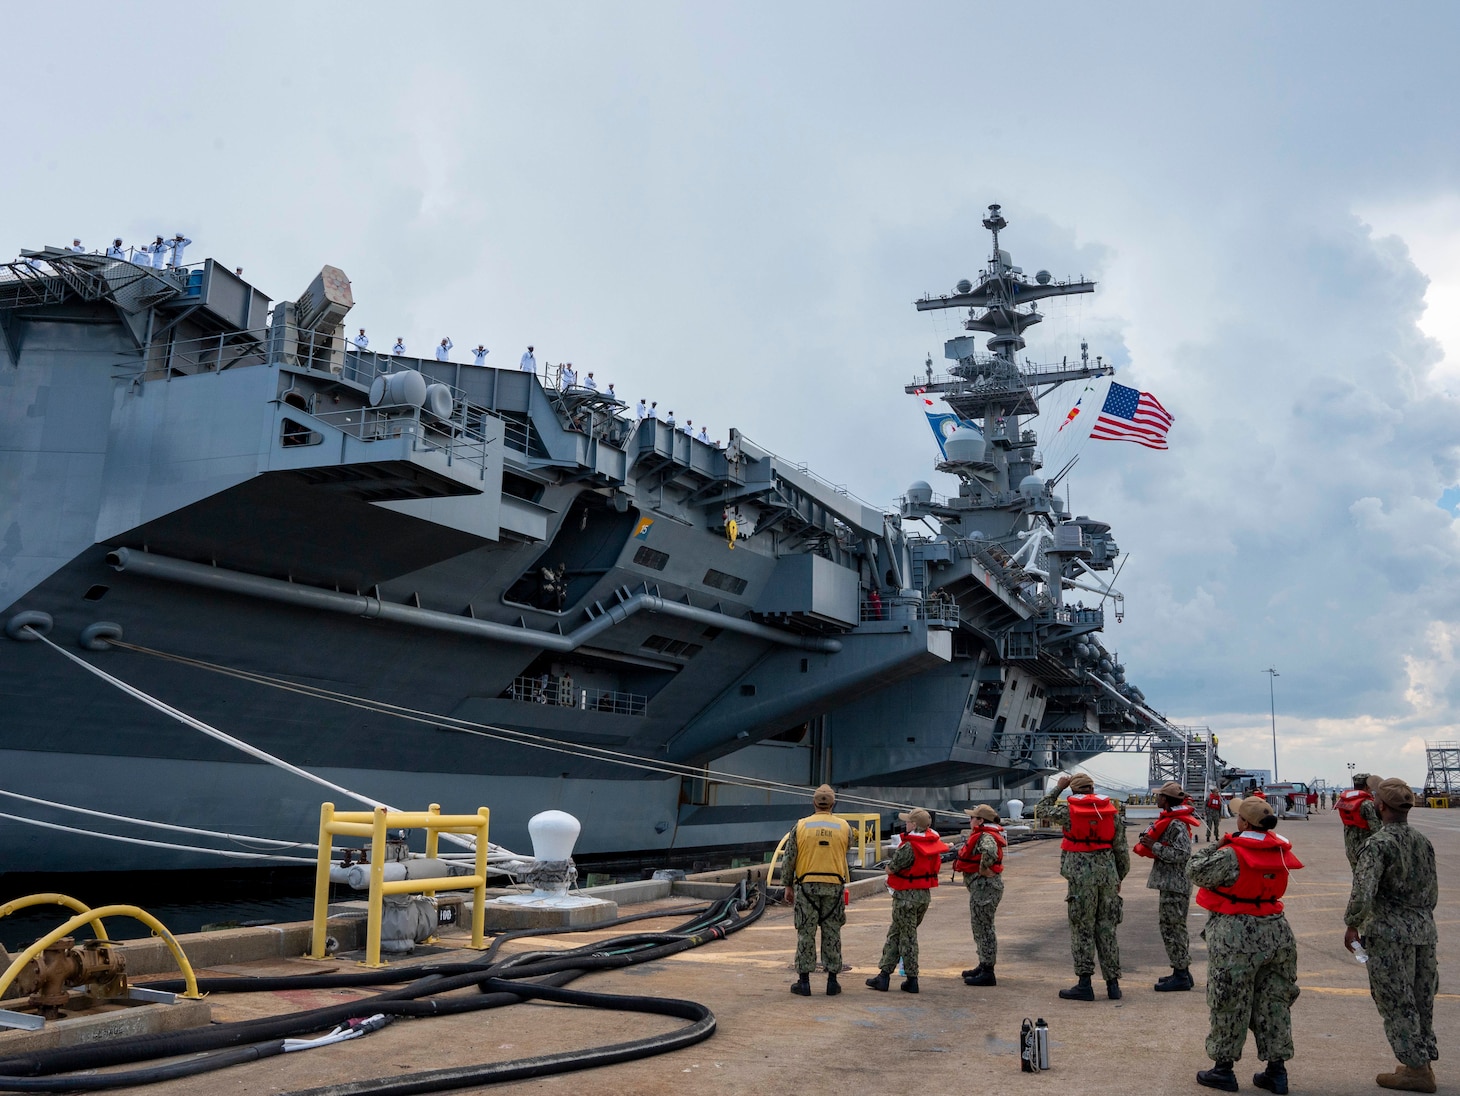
{"x": 375, "y": 825}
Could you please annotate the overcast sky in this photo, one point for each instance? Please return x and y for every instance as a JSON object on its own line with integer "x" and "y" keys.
{"x": 730, "y": 209}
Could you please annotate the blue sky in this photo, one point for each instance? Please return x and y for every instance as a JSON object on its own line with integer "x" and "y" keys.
{"x": 730, "y": 209}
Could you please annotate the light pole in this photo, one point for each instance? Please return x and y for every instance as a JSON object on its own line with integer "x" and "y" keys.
{"x": 1272, "y": 707}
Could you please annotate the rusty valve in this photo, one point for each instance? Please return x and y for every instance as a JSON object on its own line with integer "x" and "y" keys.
{"x": 96, "y": 964}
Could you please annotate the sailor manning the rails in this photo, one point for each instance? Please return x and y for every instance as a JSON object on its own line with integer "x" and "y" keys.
{"x": 815, "y": 871}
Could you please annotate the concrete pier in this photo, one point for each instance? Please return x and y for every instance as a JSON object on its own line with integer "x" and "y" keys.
{"x": 949, "y": 1038}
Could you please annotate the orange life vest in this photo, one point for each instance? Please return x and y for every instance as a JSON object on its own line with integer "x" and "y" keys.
{"x": 928, "y": 850}
{"x": 968, "y": 861}
{"x": 1264, "y": 860}
{"x": 1350, "y": 807}
{"x": 1092, "y": 824}
{"x": 1157, "y": 829}
{"x": 1214, "y": 801}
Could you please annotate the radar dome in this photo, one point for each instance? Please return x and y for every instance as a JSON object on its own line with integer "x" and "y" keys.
{"x": 1042, "y": 277}
{"x": 964, "y": 286}
{"x": 964, "y": 445}
{"x": 919, "y": 493}
{"x": 1031, "y": 487}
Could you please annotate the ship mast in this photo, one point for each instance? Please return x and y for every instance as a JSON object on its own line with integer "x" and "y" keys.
{"x": 990, "y": 388}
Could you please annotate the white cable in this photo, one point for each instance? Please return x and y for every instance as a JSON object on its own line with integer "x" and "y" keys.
{"x": 503, "y": 734}
{"x": 157, "y": 825}
{"x": 156, "y": 844}
{"x": 227, "y": 739}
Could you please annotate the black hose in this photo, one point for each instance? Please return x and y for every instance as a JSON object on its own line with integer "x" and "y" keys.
{"x": 391, "y": 976}
{"x": 228, "y": 1044}
{"x": 487, "y": 1073}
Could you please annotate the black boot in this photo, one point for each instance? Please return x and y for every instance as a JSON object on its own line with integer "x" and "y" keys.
{"x": 881, "y": 981}
{"x": 1274, "y": 1078}
{"x": 973, "y": 973}
{"x": 984, "y": 976}
{"x": 1219, "y": 1076}
{"x": 1175, "y": 982}
{"x": 1079, "y": 992}
{"x": 802, "y": 986}
{"x": 833, "y": 987}
{"x": 1112, "y": 988}
{"x": 909, "y": 984}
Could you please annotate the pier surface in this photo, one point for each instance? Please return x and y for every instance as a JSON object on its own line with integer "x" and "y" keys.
{"x": 949, "y": 1038}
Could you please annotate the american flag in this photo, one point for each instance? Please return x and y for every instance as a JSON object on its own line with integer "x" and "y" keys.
{"x": 1129, "y": 415}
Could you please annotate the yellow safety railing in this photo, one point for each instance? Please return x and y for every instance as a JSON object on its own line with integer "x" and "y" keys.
{"x": 374, "y": 825}
{"x": 52, "y": 899}
{"x": 1439, "y": 801}
{"x": 93, "y": 917}
{"x": 866, "y": 834}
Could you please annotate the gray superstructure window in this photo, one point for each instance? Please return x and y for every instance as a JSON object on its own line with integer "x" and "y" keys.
{"x": 648, "y": 557}
{"x": 721, "y": 581}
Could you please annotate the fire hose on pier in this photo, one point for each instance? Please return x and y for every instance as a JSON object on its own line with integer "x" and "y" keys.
{"x": 499, "y": 981}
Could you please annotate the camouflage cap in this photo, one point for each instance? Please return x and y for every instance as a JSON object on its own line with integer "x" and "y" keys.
{"x": 1395, "y": 794}
{"x": 917, "y": 818}
{"x": 1361, "y": 780}
{"x": 983, "y": 811}
{"x": 1251, "y": 810}
{"x": 824, "y": 796}
{"x": 1171, "y": 790}
{"x": 1374, "y": 781}
{"x": 1082, "y": 782}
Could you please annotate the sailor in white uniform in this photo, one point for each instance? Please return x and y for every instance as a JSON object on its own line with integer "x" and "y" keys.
{"x": 399, "y": 348}
{"x": 116, "y": 251}
{"x": 179, "y": 242}
{"x": 76, "y": 246}
{"x": 703, "y": 436}
{"x": 362, "y": 343}
{"x": 480, "y": 354}
{"x": 443, "y": 352}
{"x": 642, "y": 411}
{"x": 589, "y": 383}
{"x": 611, "y": 394}
{"x": 570, "y": 378}
{"x": 529, "y": 363}
{"x": 689, "y": 427}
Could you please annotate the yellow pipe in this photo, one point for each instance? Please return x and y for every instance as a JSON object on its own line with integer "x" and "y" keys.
{"x": 90, "y": 917}
{"x": 52, "y": 899}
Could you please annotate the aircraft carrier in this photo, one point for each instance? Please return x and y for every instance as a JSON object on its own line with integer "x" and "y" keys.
{"x": 437, "y": 583}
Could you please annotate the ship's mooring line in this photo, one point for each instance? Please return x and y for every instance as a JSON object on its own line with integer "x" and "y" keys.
{"x": 241, "y": 838}
{"x": 487, "y": 730}
{"x": 221, "y": 736}
{"x": 157, "y": 844}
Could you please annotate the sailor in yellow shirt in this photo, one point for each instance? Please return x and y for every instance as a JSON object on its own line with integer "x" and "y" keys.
{"x": 816, "y": 874}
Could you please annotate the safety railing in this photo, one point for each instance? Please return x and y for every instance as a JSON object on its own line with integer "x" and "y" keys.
{"x": 939, "y": 610}
{"x": 376, "y": 825}
{"x": 537, "y": 690}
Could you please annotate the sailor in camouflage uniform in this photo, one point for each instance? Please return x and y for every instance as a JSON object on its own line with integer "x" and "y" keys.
{"x": 816, "y": 875}
{"x": 981, "y": 860}
{"x": 1168, "y": 843}
{"x": 1094, "y": 859}
{"x": 1392, "y": 905}
{"x": 1252, "y": 958}
{"x": 1359, "y": 815}
{"x": 912, "y": 873}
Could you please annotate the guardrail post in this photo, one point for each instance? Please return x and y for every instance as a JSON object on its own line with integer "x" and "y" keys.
{"x": 322, "y": 882}
{"x": 377, "y": 888}
{"x": 433, "y": 837}
{"x": 479, "y": 892}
